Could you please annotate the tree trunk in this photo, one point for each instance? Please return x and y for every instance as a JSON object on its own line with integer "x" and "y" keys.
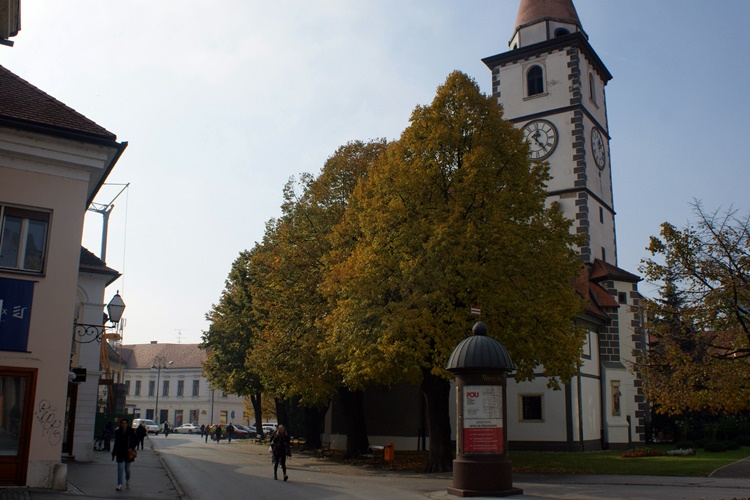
{"x": 282, "y": 412}
{"x": 357, "y": 442}
{"x": 258, "y": 410}
{"x": 437, "y": 392}
{"x": 314, "y": 427}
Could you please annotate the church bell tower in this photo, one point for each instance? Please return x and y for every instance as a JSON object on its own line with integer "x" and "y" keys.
{"x": 551, "y": 85}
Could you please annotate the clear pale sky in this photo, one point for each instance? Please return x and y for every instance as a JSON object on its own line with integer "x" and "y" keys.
{"x": 222, "y": 101}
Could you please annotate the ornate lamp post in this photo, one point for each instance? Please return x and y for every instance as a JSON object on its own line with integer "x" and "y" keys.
{"x": 159, "y": 363}
{"x": 482, "y": 466}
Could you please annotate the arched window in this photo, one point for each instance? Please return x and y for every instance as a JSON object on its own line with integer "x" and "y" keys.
{"x": 535, "y": 80}
{"x": 592, "y": 87}
{"x": 561, "y": 32}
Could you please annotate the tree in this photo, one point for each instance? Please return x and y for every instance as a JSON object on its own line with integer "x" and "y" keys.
{"x": 231, "y": 335}
{"x": 452, "y": 216}
{"x": 699, "y": 327}
{"x": 291, "y": 260}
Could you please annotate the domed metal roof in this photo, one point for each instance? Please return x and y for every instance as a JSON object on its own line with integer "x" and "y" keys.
{"x": 534, "y": 11}
{"x": 480, "y": 352}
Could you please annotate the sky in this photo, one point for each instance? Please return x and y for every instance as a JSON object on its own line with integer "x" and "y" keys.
{"x": 222, "y": 102}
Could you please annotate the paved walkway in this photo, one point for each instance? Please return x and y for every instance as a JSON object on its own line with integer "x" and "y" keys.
{"x": 152, "y": 480}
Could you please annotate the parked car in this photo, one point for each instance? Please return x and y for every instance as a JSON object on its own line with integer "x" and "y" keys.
{"x": 238, "y": 432}
{"x": 186, "y": 429}
{"x": 250, "y": 430}
{"x": 150, "y": 425}
{"x": 269, "y": 427}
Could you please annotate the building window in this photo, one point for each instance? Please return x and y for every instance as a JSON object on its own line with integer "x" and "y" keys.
{"x": 604, "y": 254}
{"x": 23, "y": 239}
{"x": 151, "y": 388}
{"x": 223, "y": 414}
{"x": 127, "y": 387}
{"x": 586, "y": 348}
{"x": 622, "y": 298}
{"x": 601, "y": 215}
{"x": 165, "y": 388}
{"x": 137, "y": 388}
{"x": 535, "y": 81}
{"x": 223, "y": 394}
{"x": 178, "y": 418}
{"x": 531, "y": 408}
{"x": 180, "y": 387}
{"x": 592, "y": 88}
{"x": 150, "y": 414}
{"x": 196, "y": 387}
{"x": 561, "y": 32}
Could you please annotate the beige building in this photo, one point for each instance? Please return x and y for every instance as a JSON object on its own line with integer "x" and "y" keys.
{"x": 53, "y": 161}
{"x": 165, "y": 382}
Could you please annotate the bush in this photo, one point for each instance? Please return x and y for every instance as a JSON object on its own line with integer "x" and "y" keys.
{"x": 716, "y": 447}
{"x": 685, "y": 445}
{"x": 743, "y": 440}
{"x": 732, "y": 445}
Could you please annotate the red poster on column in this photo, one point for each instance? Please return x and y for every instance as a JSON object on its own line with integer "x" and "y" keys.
{"x": 483, "y": 419}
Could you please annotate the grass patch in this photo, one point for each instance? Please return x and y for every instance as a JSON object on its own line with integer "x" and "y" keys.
{"x": 611, "y": 462}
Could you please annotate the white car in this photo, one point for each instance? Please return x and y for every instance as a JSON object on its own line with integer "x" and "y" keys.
{"x": 150, "y": 425}
{"x": 186, "y": 429}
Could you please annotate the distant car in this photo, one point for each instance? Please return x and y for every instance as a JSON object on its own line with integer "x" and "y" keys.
{"x": 186, "y": 429}
{"x": 238, "y": 432}
{"x": 250, "y": 430}
{"x": 150, "y": 425}
{"x": 269, "y": 427}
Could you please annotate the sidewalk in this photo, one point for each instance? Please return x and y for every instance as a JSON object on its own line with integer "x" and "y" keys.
{"x": 98, "y": 479}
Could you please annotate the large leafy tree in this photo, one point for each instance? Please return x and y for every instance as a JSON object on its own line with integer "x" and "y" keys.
{"x": 452, "y": 216}
{"x": 291, "y": 261}
{"x": 699, "y": 325}
{"x": 232, "y": 331}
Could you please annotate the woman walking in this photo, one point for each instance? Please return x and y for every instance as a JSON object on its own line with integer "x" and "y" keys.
{"x": 125, "y": 440}
{"x": 281, "y": 448}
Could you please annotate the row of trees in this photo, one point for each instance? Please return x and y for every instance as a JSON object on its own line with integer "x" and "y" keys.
{"x": 369, "y": 274}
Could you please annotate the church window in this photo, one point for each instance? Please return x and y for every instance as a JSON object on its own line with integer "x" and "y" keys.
{"x": 561, "y": 32}
{"x": 535, "y": 80}
{"x": 622, "y": 298}
{"x": 601, "y": 215}
{"x": 592, "y": 88}
{"x": 604, "y": 254}
{"x": 531, "y": 408}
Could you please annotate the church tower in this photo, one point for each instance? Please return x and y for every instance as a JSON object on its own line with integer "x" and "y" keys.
{"x": 551, "y": 85}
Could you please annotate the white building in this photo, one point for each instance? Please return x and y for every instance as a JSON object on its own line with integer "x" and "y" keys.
{"x": 165, "y": 382}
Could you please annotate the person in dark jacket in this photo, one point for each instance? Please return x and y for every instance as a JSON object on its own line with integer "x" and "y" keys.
{"x": 125, "y": 440}
{"x": 281, "y": 448}
{"x": 141, "y": 432}
{"x": 230, "y": 432}
{"x": 217, "y": 434}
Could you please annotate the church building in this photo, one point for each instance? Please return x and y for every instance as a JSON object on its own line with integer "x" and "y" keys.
{"x": 551, "y": 85}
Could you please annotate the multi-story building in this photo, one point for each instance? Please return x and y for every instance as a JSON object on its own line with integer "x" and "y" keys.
{"x": 53, "y": 162}
{"x": 165, "y": 383}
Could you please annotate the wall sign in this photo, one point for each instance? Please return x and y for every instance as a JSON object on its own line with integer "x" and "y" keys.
{"x": 16, "y": 297}
{"x": 483, "y": 419}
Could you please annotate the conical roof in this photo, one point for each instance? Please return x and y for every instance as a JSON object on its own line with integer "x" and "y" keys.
{"x": 532, "y": 11}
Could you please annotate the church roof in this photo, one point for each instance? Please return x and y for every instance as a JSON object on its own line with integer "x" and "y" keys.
{"x": 603, "y": 271}
{"x": 24, "y": 105}
{"x": 180, "y": 355}
{"x": 533, "y": 11}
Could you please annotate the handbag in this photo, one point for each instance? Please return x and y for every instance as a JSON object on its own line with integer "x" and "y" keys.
{"x": 132, "y": 454}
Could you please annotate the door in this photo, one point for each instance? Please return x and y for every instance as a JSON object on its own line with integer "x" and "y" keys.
{"x": 17, "y": 388}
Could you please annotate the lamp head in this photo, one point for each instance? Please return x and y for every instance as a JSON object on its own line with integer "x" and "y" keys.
{"x": 115, "y": 308}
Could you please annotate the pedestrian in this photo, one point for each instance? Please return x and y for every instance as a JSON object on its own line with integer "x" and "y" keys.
{"x": 125, "y": 441}
{"x": 208, "y": 433}
{"x": 140, "y": 433}
{"x": 217, "y": 434}
{"x": 281, "y": 448}
{"x": 166, "y": 429}
{"x": 230, "y": 432}
{"x": 203, "y": 429}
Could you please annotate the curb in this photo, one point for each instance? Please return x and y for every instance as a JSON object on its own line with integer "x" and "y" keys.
{"x": 171, "y": 477}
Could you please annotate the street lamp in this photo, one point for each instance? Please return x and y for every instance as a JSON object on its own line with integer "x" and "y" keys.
{"x": 85, "y": 333}
{"x": 159, "y": 363}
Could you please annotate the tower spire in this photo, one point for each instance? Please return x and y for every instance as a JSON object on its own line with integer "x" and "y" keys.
{"x": 540, "y": 20}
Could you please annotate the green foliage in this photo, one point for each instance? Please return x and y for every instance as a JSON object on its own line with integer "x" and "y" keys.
{"x": 699, "y": 326}
{"x": 452, "y": 216}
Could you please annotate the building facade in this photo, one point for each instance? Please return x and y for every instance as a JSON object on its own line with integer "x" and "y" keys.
{"x": 53, "y": 161}
{"x": 165, "y": 382}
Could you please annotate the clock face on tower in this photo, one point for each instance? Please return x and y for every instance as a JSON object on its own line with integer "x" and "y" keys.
{"x": 542, "y": 138}
{"x": 597, "y": 148}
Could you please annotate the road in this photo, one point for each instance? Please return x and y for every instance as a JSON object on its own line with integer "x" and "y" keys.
{"x": 243, "y": 470}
